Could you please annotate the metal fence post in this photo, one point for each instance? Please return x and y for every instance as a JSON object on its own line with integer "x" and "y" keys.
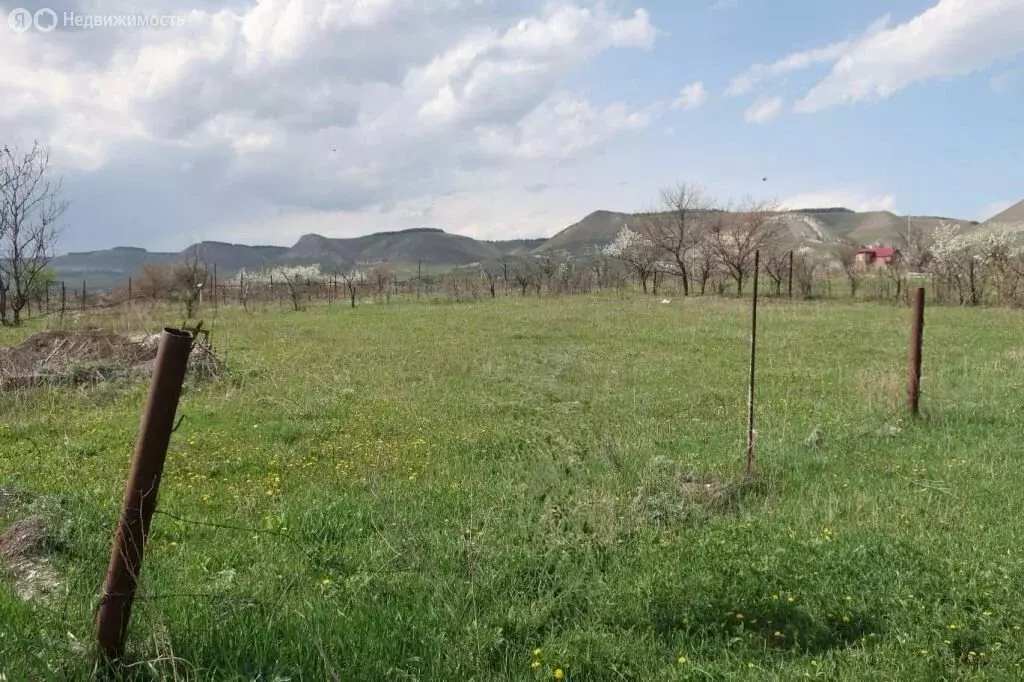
{"x": 140, "y": 492}
{"x": 791, "y": 273}
{"x": 751, "y": 451}
{"x": 914, "y": 360}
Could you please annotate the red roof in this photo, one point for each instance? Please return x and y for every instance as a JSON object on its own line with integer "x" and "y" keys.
{"x": 883, "y": 252}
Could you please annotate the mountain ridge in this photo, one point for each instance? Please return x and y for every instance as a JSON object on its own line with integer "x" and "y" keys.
{"x": 438, "y": 248}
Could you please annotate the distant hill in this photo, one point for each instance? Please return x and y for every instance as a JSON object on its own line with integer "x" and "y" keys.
{"x": 518, "y": 247}
{"x": 814, "y": 225}
{"x": 111, "y": 267}
{"x": 1011, "y": 216}
{"x": 104, "y": 268}
{"x": 597, "y": 229}
{"x": 1011, "y": 220}
{"x": 442, "y": 249}
{"x": 404, "y": 246}
{"x": 232, "y": 257}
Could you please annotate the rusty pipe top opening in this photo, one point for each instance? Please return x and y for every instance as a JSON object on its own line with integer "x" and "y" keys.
{"x": 180, "y": 333}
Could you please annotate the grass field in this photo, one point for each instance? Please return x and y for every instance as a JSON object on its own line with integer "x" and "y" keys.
{"x": 499, "y": 491}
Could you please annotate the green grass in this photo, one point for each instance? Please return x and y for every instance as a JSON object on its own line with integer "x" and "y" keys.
{"x": 449, "y": 487}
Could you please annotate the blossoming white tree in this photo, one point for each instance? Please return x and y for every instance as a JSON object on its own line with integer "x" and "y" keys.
{"x": 969, "y": 263}
{"x": 639, "y": 253}
{"x": 296, "y": 278}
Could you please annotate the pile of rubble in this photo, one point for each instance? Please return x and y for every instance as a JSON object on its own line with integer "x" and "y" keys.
{"x": 74, "y": 357}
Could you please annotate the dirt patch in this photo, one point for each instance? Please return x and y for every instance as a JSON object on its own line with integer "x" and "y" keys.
{"x": 74, "y": 357}
{"x": 23, "y": 556}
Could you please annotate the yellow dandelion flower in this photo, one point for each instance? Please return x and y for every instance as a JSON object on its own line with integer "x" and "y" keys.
{"x": 536, "y": 652}
{"x": 681, "y": 660}
{"x": 558, "y": 674}
{"x": 535, "y": 665}
{"x": 923, "y": 652}
{"x": 986, "y": 613}
{"x": 846, "y": 619}
{"x": 739, "y": 616}
{"x": 951, "y": 626}
{"x": 791, "y": 599}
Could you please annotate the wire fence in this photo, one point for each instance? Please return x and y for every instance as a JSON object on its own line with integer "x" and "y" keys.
{"x": 64, "y": 301}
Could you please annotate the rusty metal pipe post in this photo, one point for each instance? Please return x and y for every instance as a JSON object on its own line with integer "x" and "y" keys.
{"x": 790, "y": 290}
{"x": 140, "y": 492}
{"x": 914, "y": 360}
{"x": 751, "y": 434}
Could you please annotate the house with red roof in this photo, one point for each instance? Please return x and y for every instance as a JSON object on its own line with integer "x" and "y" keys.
{"x": 878, "y": 256}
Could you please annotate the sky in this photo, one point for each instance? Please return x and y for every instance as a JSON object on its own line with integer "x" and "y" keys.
{"x": 258, "y": 122}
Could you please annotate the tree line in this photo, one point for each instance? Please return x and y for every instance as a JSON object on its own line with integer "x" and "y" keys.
{"x": 698, "y": 242}
{"x": 690, "y": 240}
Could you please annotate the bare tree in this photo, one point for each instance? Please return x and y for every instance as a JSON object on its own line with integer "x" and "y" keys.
{"x": 915, "y": 242}
{"x": 381, "y": 275}
{"x": 155, "y": 282}
{"x": 805, "y": 265}
{"x": 189, "y": 277}
{"x": 599, "y": 266}
{"x": 894, "y": 273}
{"x": 735, "y": 238}
{"x": 30, "y": 208}
{"x": 294, "y": 279}
{"x": 702, "y": 264}
{"x": 846, "y": 254}
{"x": 775, "y": 258}
{"x": 491, "y": 275}
{"x": 352, "y": 278}
{"x": 245, "y": 283}
{"x": 680, "y": 228}
{"x": 523, "y": 275}
{"x": 637, "y": 252}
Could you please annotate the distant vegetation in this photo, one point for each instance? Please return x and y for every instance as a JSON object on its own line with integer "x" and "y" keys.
{"x": 405, "y": 250}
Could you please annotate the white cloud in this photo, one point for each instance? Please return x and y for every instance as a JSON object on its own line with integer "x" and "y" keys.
{"x": 561, "y": 128}
{"x": 763, "y": 109}
{"x": 796, "y": 61}
{"x": 745, "y": 82}
{"x": 952, "y": 38}
{"x": 494, "y": 73}
{"x": 308, "y": 105}
{"x": 851, "y": 199}
{"x": 692, "y": 96}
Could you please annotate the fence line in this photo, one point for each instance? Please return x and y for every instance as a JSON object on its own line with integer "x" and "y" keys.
{"x": 59, "y": 299}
